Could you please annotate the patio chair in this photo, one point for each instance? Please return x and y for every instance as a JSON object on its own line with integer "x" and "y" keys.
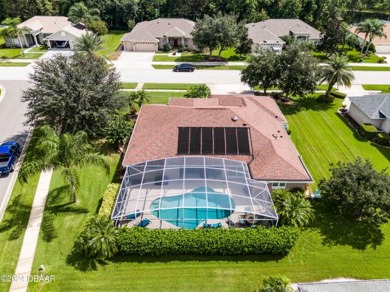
{"x": 133, "y": 215}
{"x": 145, "y": 222}
{"x": 316, "y": 195}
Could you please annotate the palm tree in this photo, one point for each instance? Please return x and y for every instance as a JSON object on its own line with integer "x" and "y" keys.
{"x": 65, "y": 151}
{"x": 376, "y": 30}
{"x": 89, "y": 43}
{"x": 337, "y": 71}
{"x": 364, "y": 27}
{"x": 293, "y": 209}
{"x": 80, "y": 13}
{"x": 12, "y": 30}
{"x": 138, "y": 98}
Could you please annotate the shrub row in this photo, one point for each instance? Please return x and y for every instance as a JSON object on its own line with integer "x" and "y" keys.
{"x": 368, "y": 131}
{"x": 108, "y": 202}
{"x": 260, "y": 240}
{"x": 383, "y": 139}
{"x": 338, "y": 94}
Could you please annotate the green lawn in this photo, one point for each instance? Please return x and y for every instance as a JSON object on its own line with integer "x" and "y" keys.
{"x": 385, "y": 88}
{"x": 111, "y": 42}
{"x": 368, "y": 68}
{"x": 163, "y": 97}
{"x": 178, "y": 86}
{"x": 129, "y": 85}
{"x": 13, "y": 64}
{"x": 40, "y": 49}
{"x": 222, "y": 67}
{"x": 228, "y": 54}
{"x": 332, "y": 248}
{"x": 16, "y": 53}
{"x": 353, "y": 57}
{"x": 322, "y": 137}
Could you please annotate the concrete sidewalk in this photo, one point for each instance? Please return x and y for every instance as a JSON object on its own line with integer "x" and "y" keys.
{"x": 26, "y": 257}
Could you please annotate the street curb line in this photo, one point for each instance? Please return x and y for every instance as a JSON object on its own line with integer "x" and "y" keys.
{"x": 2, "y": 94}
{"x": 15, "y": 173}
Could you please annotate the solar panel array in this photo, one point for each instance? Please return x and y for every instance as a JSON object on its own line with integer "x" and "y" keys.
{"x": 217, "y": 141}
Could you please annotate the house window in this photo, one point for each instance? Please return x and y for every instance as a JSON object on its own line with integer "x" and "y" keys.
{"x": 278, "y": 185}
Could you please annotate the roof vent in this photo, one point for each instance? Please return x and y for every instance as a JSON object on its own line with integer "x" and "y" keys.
{"x": 234, "y": 118}
{"x": 275, "y": 136}
{"x": 276, "y": 116}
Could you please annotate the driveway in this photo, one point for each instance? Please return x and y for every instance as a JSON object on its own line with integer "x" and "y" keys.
{"x": 12, "y": 112}
{"x": 135, "y": 60}
{"x": 54, "y": 52}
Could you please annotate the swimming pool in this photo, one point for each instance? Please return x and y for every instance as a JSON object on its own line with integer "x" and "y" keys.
{"x": 190, "y": 209}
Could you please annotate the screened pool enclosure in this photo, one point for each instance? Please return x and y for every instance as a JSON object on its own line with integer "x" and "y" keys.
{"x": 192, "y": 192}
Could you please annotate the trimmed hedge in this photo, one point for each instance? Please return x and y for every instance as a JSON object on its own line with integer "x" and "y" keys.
{"x": 260, "y": 240}
{"x": 338, "y": 94}
{"x": 383, "y": 139}
{"x": 108, "y": 202}
{"x": 368, "y": 131}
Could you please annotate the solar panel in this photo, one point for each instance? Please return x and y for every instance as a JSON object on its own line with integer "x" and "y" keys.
{"x": 243, "y": 141}
{"x": 207, "y": 141}
{"x": 183, "y": 143}
{"x": 194, "y": 140}
{"x": 231, "y": 141}
{"x": 219, "y": 141}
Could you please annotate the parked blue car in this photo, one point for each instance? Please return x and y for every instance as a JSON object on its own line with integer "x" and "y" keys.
{"x": 9, "y": 153}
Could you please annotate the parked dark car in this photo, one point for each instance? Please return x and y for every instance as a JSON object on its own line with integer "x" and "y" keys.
{"x": 9, "y": 153}
{"x": 184, "y": 68}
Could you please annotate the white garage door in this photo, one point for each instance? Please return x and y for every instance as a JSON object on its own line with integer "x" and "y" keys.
{"x": 144, "y": 47}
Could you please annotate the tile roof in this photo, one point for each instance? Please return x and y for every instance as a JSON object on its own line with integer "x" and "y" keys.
{"x": 274, "y": 156}
{"x": 374, "y": 106}
{"x": 160, "y": 27}
{"x": 281, "y": 27}
{"x": 69, "y": 29}
{"x": 46, "y": 24}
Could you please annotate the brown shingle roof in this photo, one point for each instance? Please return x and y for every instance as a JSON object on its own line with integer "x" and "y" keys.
{"x": 156, "y": 133}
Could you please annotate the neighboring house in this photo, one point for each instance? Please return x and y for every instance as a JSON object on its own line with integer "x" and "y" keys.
{"x": 371, "y": 109}
{"x": 382, "y": 45}
{"x": 267, "y": 34}
{"x": 149, "y": 36}
{"x": 345, "y": 285}
{"x": 55, "y": 31}
{"x": 210, "y": 161}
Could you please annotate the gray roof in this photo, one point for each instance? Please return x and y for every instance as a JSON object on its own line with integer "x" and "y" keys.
{"x": 281, "y": 27}
{"x": 260, "y": 35}
{"x": 374, "y": 106}
{"x": 348, "y": 286}
{"x": 149, "y": 31}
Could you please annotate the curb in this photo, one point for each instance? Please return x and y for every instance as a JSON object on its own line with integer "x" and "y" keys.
{"x": 2, "y": 94}
{"x": 15, "y": 173}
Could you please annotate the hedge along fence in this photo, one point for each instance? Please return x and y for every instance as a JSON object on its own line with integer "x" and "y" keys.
{"x": 260, "y": 240}
{"x": 108, "y": 202}
{"x": 368, "y": 131}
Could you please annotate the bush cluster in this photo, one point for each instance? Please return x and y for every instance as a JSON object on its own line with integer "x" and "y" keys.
{"x": 108, "y": 202}
{"x": 368, "y": 131}
{"x": 383, "y": 139}
{"x": 260, "y": 240}
{"x": 338, "y": 94}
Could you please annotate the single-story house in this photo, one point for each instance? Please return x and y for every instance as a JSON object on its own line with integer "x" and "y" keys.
{"x": 207, "y": 162}
{"x": 55, "y": 31}
{"x": 345, "y": 285}
{"x": 268, "y": 33}
{"x": 371, "y": 109}
{"x": 149, "y": 36}
{"x": 272, "y": 156}
{"x": 382, "y": 44}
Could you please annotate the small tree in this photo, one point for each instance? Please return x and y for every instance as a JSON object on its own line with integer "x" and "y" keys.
{"x": 12, "y": 31}
{"x": 139, "y": 97}
{"x": 244, "y": 42}
{"x": 98, "y": 240}
{"x": 119, "y": 130}
{"x": 89, "y": 43}
{"x": 356, "y": 190}
{"x": 99, "y": 27}
{"x": 261, "y": 70}
{"x": 198, "y": 91}
{"x": 81, "y": 13}
{"x": 293, "y": 209}
{"x": 130, "y": 24}
{"x": 277, "y": 284}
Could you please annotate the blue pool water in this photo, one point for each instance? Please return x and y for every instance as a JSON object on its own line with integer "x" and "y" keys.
{"x": 195, "y": 208}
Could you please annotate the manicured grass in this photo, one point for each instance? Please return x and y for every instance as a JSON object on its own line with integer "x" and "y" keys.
{"x": 40, "y": 49}
{"x": 228, "y": 55}
{"x": 13, "y": 64}
{"x": 385, "y": 88}
{"x": 353, "y": 57}
{"x": 178, "y": 86}
{"x": 111, "y": 42}
{"x": 16, "y": 53}
{"x": 323, "y": 137}
{"x": 222, "y": 67}
{"x": 368, "y": 68}
{"x": 129, "y": 85}
{"x": 163, "y": 97}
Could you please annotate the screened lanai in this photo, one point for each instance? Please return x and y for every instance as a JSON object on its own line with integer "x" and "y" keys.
{"x": 191, "y": 191}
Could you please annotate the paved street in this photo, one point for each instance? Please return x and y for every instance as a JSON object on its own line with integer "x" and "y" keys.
{"x": 12, "y": 117}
